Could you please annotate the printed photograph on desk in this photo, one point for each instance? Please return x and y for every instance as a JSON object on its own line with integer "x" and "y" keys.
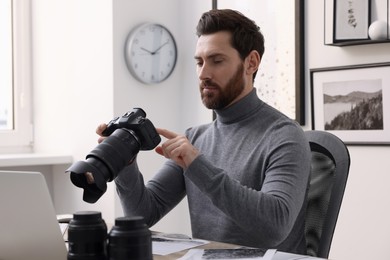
{"x": 239, "y": 253}
{"x": 352, "y": 102}
{"x": 165, "y": 244}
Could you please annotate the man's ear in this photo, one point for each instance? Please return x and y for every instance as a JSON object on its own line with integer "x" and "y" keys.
{"x": 252, "y": 62}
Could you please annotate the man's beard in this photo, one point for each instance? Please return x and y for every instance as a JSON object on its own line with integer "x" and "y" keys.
{"x": 223, "y": 97}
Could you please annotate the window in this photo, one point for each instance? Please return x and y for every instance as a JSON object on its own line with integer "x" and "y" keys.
{"x": 15, "y": 76}
{"x": 6, "y": 120}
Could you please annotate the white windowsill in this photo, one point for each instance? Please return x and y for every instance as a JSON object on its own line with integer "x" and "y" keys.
{"x": 27, "y": 159}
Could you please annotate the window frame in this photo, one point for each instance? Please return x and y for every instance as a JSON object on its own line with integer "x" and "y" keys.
{"x": 20, "y": 138}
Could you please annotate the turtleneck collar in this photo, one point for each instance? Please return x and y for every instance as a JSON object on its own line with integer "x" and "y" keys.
{"x": 239, "y": 110}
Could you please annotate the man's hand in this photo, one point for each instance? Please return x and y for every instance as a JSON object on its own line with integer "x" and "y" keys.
{"x": 177, "y": 148}
{"x": 99, "y": 131}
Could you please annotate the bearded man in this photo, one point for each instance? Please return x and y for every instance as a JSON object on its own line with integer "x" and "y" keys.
{"x": 245, "y": 175}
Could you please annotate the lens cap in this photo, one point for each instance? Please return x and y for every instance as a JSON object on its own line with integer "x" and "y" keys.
{"x": 130, "y": 238}
{"x": 87, "y": 236}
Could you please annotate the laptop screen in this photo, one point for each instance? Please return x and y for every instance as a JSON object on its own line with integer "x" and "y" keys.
{"x": 28, "y": 223}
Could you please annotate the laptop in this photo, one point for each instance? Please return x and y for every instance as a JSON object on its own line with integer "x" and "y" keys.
{"x": 28, "y": 225}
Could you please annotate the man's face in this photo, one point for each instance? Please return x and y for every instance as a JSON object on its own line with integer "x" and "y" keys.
{"x": 220, "y": 71}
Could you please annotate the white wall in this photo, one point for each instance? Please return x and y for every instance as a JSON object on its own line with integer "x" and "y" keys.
{"x": 72, "y": 87}
{"x": 363, "y": 228}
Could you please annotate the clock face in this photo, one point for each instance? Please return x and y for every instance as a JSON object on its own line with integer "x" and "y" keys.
{"x": 151, "y": 53}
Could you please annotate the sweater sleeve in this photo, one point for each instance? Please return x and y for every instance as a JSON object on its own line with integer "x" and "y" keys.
{"x": 155, "y": 199}
{"x": 267, "y": 214}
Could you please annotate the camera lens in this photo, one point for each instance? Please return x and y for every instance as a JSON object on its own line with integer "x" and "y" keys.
{"x": 116, "y": 151}
{"x": 130, "y": 238}
{"x": 87, "y": 236}
{"x": 104, "y": 163}
{"x": 127, "y": 135}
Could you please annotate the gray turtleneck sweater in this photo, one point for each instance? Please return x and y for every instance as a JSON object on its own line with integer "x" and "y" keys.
{"x": 247, "y": 187}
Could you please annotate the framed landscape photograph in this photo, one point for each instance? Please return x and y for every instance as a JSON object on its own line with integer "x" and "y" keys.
{"x": 352, "y": 19}
{"x": 352, "y": 102}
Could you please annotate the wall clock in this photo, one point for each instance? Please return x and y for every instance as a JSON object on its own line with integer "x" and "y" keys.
{"x": 150, "y": 53}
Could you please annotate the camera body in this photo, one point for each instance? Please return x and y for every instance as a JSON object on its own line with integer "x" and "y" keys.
{"x": 136, "y": 121}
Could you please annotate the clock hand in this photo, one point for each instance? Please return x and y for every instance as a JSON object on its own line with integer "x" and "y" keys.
{"x": 159, "y": 48}
{"x": 142, "y": 48}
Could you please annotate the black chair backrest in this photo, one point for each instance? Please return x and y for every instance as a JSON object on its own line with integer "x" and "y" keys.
{"x": 329, "y": 173}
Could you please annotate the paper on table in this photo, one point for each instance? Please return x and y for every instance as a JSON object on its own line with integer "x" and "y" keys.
{"x": 63, "y": 227}
{"x": 170, "y": 243}
{"x": 240, "y": 253}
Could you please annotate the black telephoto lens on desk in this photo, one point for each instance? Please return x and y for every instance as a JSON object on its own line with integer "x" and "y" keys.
{"x": 130, "y": 239}
{"x": 87, "y": 236}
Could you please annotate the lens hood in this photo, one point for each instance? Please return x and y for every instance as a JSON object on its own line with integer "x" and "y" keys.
{"x": 92, "y": 191}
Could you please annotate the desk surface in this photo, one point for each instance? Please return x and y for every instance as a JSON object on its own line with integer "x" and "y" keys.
{"x": 218, "y": 245}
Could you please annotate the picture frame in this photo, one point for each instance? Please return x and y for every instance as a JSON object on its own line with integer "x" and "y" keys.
{"x": 351, "y": 20}
{"x": 352, "y": 102}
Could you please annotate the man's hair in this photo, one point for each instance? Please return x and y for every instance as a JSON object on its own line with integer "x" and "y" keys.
{"x": 246, "y": 35}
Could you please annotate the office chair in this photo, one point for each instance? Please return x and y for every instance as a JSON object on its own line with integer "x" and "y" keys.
{"x": 329, "y": 172}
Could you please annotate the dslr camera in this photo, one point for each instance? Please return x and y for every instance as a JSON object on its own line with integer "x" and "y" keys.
{"x": 126, "y": 136}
